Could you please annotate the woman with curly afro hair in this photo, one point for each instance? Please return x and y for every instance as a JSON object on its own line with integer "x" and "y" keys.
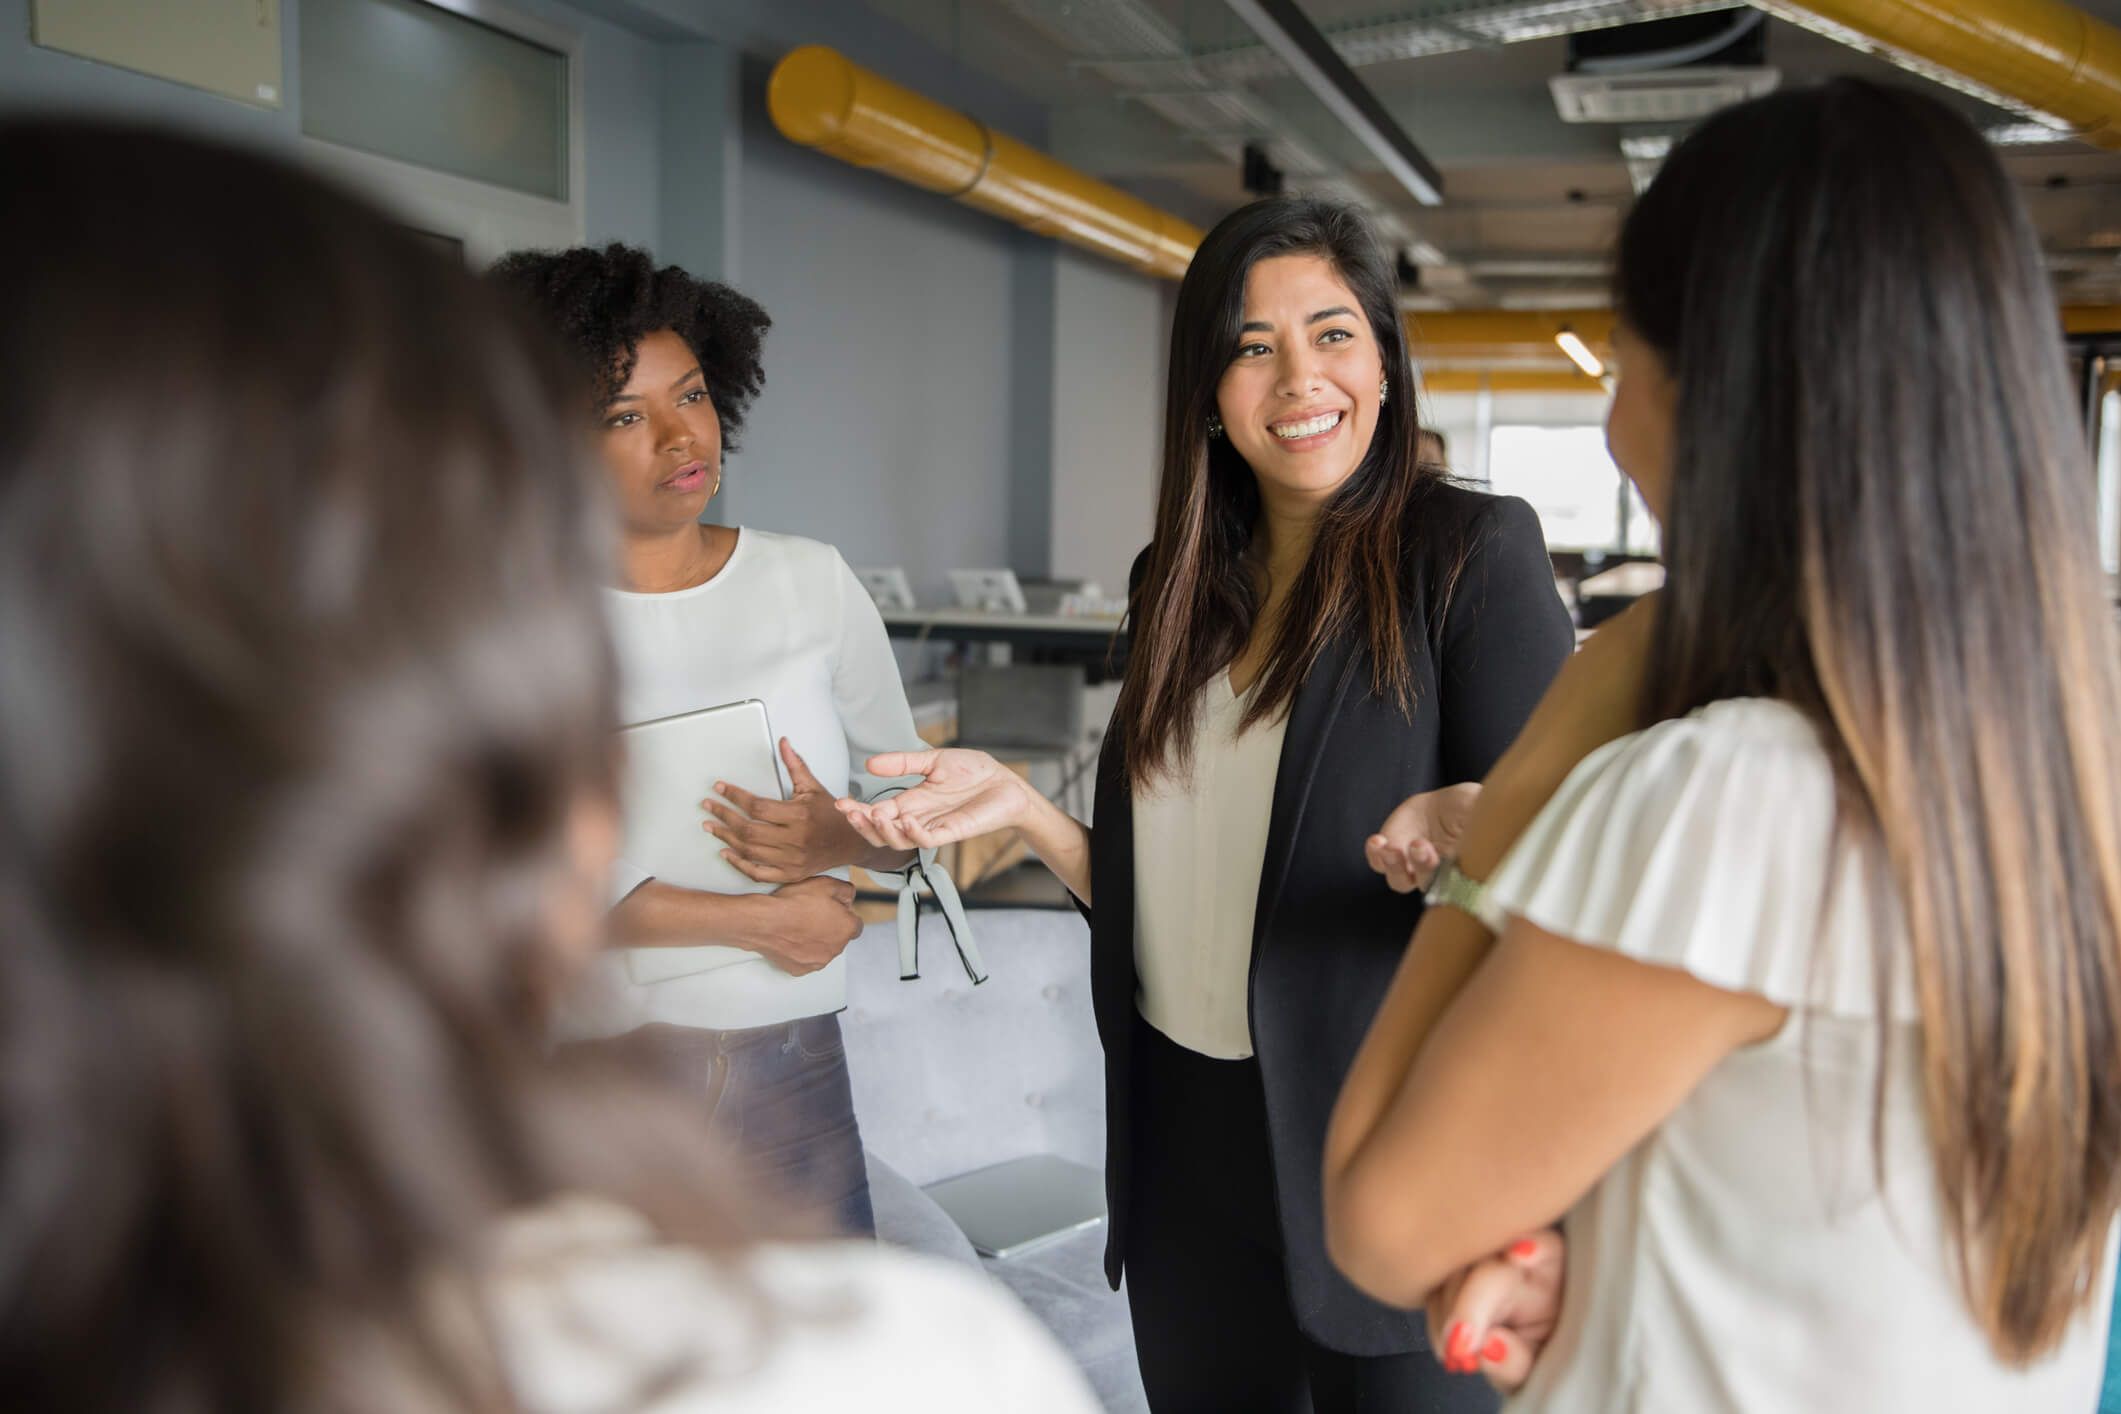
{"x": 705, "y": 615}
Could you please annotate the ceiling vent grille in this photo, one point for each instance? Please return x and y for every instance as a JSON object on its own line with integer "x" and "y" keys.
{"x": 1668, "y": 96}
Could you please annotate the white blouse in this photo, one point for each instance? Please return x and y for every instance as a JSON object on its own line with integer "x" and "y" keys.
{"x": 1747, "y": 1255}
{"x": 787, "y": 622}
{"x": 1199, "y": 844}
{"x": 593, "y": 1312}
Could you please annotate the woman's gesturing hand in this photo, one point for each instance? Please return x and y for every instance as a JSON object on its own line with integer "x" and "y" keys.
{"x": 962, "y": 794}
{"x": 783, "y": 841}
{"x": 1497, "y": 1315}
{"x": 1417, "y": 837}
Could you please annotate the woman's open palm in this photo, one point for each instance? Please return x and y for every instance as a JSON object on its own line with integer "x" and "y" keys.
{"x": 962, "y": 794}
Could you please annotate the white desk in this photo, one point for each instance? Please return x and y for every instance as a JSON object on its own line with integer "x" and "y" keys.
{"x": 1077, "y": 634}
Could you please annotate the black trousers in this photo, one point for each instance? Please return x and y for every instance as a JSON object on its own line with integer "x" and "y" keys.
{"x": 1213, "y": 1325}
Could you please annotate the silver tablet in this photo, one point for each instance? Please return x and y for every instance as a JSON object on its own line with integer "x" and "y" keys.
{"x": 670, "y": 766}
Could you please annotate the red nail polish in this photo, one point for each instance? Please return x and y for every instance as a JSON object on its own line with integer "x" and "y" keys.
{"x": 1494, "y": 1350}
{"x": 1524, "y": 1250}
{"x": 1456, "y": 1342}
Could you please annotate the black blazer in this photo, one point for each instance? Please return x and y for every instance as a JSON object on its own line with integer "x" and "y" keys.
{"x": 1327, "y": 933}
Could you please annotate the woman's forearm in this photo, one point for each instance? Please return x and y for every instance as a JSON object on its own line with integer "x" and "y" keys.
{"x": 1061, "y": 842}
{"x": 660, "y": 915}
{"x": 1594, "y": 700}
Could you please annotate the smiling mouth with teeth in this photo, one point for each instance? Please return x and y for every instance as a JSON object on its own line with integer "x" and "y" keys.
{"x": 1324, "y": 422}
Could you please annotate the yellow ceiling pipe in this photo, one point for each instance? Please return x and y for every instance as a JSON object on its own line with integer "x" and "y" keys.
{"x": 2049, "y": 56}
{"x": 821, "y": 99}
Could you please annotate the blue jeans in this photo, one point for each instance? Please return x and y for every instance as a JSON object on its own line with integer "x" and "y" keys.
{"x": 779, "y": 1094}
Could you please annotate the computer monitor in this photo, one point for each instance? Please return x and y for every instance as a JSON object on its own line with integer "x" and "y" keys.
{"x": 889, "y": 587}
{"x": 992, "y": 591}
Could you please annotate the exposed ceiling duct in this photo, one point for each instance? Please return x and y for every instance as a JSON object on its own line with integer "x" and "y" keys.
{"x": 819, "y": 98}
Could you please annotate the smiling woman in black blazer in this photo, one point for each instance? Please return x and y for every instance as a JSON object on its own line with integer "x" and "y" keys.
{"x": 1323, "y": 627}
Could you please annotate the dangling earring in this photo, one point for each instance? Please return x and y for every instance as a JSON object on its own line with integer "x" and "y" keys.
{"x": 717, "y": 484}
{"x": 1215, "y": 427}
{"x": 1384, "y": 391}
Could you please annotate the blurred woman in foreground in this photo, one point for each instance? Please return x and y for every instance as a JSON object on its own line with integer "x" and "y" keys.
{"x": 305, "y": 812}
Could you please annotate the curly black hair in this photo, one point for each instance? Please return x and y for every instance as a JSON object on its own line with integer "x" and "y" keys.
{"x": 603, "y": 302}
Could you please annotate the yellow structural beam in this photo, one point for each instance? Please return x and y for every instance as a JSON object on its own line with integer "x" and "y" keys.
{"x": 1509, "y": 380}
{"x": 1521, "y": 341}
{"x": 1499, "y": 336}
{"x": 821, "y": 99}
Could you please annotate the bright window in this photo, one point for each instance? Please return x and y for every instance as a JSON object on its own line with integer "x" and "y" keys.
{"x": 1581, "y": 497}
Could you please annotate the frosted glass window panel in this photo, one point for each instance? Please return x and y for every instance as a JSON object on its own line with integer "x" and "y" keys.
{"x": 417, "y": 83}
{"x": 229, "y": 47}
{"x": 2110, "y": 481}
{"x": 1567, "y": 476}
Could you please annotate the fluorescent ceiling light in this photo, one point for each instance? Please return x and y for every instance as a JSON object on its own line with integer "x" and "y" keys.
{"x": 1653, "y": 148}
{"x": 2026, "y": 134}
{"x": 1580, "y": 353}
{"x": 1311, "y": 57}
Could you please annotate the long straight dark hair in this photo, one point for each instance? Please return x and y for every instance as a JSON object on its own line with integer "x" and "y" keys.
{"x": 1200, "y": 596}
{"x": 1880, "y": 511}
{"x": 304, "y": 681}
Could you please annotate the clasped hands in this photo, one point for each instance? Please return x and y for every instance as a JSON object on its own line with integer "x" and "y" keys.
{"x": 792, "y": 843}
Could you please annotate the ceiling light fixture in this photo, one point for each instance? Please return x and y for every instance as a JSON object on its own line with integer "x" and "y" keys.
{"x": 1580, "y": 353}
{"x": 1313, "y": 59}
{"x": 2026, "y": 134}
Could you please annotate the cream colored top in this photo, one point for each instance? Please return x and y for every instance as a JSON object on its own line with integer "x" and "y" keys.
{"x": 1198, "y": 847}
{"x": 1748, "y": 1254}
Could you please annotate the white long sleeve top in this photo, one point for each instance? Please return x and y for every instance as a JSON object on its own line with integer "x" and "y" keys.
{"x": 784, "y": 621}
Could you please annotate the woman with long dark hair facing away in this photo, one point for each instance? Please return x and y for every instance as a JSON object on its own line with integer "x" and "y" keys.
{"x": 703, "y": 615}
{"x": 1804, "y": 1017}
{"x": 306, "y": 813}
{"x": 1322, "y": 627}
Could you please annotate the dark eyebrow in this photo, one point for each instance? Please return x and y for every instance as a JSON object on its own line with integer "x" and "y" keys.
{"x": 1337, "y": 311}
{"x": 690, "y": 374}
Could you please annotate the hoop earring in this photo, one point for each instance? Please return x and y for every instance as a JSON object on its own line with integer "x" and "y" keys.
{"x": 1384, "y": 391}
{"x": 717, "y": 484}
{"x": 1215, "y": 427}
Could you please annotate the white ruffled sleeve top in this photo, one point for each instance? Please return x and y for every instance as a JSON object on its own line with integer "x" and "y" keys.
{"x": 1749, "y": 1254}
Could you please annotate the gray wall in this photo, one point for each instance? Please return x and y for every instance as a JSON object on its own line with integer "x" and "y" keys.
{"x": 1112, "y": 331}
{"x": 885, "y": 424}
